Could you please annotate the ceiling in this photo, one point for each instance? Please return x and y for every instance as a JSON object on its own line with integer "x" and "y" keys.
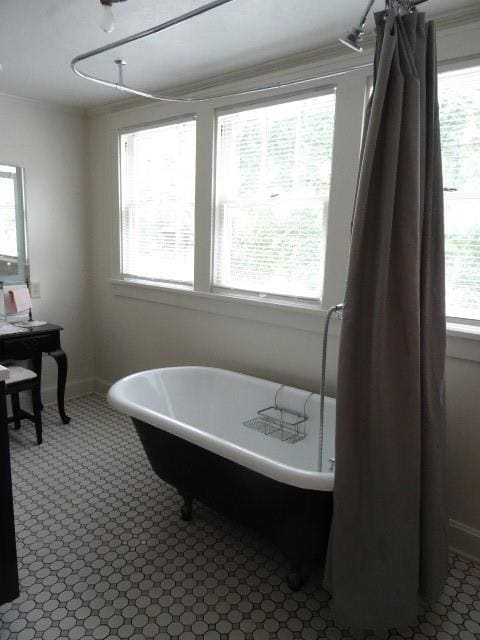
{"x": 38, "y": 38}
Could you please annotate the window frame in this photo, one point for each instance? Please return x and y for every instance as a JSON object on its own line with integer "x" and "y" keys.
{"x": 205, "y": 116}
{"x": 18, "y": 179}
{"x": 119, "y": 273}
{"x": 351, "y": 99}
{"x": 352, "y": 96}
{"x": 458, "y": 326}
{"x": 259, "y": 103}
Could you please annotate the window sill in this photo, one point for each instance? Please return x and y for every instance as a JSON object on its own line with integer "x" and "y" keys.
{"x": 466, "y": 331}
{"x": 296, "y": 315}
{"x": 463, "y": 341}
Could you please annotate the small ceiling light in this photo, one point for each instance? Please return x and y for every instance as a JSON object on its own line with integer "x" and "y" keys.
{"x": 108, "y": 19}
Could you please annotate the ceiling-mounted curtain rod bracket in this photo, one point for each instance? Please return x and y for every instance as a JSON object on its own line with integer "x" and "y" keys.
{"x": 354, "y": 38}
{"x": 402, "y": 7}
{"x": 120, "y": 65}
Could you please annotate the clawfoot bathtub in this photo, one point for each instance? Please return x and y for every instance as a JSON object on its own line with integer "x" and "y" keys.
{"x": 191, "y": 422}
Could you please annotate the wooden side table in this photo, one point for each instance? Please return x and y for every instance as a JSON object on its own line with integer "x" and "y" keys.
{"x": 32, "y": 344}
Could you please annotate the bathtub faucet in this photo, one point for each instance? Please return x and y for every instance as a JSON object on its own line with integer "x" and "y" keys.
{"x": 338, "y": 309}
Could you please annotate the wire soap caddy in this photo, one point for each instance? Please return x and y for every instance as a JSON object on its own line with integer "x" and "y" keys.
{"x": 278, "y": 422}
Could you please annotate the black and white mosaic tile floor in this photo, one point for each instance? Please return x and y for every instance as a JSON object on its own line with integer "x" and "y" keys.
{"x": 103, "y": 553}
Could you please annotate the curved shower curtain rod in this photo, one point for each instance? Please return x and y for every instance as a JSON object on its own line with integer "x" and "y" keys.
{"x": 120, "y": 86}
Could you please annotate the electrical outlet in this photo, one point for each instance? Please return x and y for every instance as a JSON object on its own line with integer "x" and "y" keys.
{"x": 35, "y": 289}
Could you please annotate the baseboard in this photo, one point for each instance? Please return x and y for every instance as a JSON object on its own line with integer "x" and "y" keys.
{"x": 101, "y": 386}
{"x": 74, "y": 389}
{"x": 464, "y": 540}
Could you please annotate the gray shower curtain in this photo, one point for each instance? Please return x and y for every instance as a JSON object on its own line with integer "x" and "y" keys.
{"x": 388, "y": 544}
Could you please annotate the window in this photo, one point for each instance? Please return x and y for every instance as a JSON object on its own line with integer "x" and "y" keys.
{"x": 12, "y": 224}
{"x": 272, "y": 189}
{"x": 459, "y": 97}
{"x": 8, "y": 218}
{"x": 158, "y": 202}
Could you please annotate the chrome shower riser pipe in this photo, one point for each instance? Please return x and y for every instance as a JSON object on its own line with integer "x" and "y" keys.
{"x": 336, "y": 309}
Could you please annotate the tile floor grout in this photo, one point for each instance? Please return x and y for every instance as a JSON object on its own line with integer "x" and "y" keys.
{"x": 103, "y": 553}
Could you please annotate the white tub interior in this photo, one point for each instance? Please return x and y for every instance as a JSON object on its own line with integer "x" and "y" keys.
{"x": 209, "y": 406}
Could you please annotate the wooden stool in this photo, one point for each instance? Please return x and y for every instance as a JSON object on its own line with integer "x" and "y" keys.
{"x": 22, "y": 379}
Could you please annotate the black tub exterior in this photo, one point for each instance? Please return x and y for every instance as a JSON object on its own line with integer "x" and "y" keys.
{"x": 296, "y": 520}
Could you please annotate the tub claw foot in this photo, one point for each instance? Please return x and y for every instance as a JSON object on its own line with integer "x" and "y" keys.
{"x": 186, "y": 510}
{"x": 295, "y": 580}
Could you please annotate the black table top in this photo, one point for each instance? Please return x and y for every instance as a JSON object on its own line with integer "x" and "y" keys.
{"x": 26, "y": 331}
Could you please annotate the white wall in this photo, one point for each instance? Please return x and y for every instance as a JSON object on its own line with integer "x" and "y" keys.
{"x": 49, "y": 143}
{"x": 136, "y": 328}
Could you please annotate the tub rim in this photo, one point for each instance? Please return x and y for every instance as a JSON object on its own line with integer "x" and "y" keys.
{"x": 279, "y": 471}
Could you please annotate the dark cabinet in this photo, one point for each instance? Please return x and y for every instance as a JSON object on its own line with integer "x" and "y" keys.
{"x": 9, "y": 588}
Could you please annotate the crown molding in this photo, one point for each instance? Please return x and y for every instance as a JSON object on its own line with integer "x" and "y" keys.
{"x": 316, "y": 57}
{"x": 458, "y": 17}
{"x": 45, "y": 104}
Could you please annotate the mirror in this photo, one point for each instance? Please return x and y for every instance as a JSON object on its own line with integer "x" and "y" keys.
{"x": 13, "y": 228}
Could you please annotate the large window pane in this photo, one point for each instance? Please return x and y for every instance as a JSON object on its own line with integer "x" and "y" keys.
{"x": 459, "y": 96}
{"x": 157, "y": 202}
{"x": 8, "y": 216}
{"x": 272, "y": 189}
{"x": 12, "y": 225}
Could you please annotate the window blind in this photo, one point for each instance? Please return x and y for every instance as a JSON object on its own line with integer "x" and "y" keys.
{"x": 272, "y": 190}
{"x": 459, "y": 101}
{"x": 157, "y": 203}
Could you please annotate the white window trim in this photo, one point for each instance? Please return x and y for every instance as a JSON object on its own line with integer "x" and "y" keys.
{"x": 351, "y": 92}
{"x": 187, "y": 117}
{"x": 291, "y": 314}
{"x": 462, "y": 327}
{"x": 463, "y": 340}
{"x": 259, "y": 103}
{"x": 341, "y": 189}
{"x": 303, "y": 94}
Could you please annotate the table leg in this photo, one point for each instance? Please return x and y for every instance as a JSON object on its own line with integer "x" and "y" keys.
{"x": 60, "y": 358}
{"x": 37, "y": 367}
